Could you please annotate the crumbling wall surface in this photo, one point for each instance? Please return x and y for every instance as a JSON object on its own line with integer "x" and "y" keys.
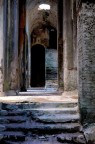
{"x": 89, "y": 133}
{"x": 86, "y": 59}
{"x": 1, "y": 46}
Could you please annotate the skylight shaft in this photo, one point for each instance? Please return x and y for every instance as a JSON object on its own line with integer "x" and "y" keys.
{"x": 44, "y": 7}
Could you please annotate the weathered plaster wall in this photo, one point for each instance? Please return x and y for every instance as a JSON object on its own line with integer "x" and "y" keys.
{"x": 1, "y": 45}
{"x": 86, "y": 58}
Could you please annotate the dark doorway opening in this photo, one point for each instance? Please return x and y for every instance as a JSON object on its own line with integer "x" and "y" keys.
{"x": 37, "y": 66}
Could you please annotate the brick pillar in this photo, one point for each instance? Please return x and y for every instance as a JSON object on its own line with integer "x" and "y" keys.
{"x": 86, "y": 60}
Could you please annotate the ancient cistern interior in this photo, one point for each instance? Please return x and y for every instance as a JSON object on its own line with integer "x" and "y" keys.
{"x": 38, "y": 46}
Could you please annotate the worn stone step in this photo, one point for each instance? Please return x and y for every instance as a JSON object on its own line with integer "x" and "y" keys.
{"x": 2, "y": 121}
{"x": 36, "y": 139}
{"x": 42, "y": 117}
{"x": 7, "y": 106}
{"x": 56, "y": 118}
{"x": 41, "y": 92}
{"x": 5, "y": 141}
{"x": 33, "y": 142}
{"x": 44, "y": 128}
{"x": 49, "y": 105}
{"x": 45, "y": 111}
{"x": 13, "y": 135}
{"x": 9, "y": 142}
{"x": 2, "y": 128}
{"x": 39, "y": 111}
{"x": 1, "y": 136}
{"x": 75, "y": 138}
{"x": 18, "y": 112}
{"x": 3, "y": 112}
{"x": 11, "y": 119}
{"x": 49, "y": 117}
{"x": 15, "y": 106}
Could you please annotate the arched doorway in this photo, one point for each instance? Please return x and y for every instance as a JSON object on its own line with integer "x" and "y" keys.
{"x": 37, "y": 66}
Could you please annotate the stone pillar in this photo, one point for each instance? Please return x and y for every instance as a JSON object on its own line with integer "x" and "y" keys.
{"x": 5, "y": 20}
{"x": 14, "y": 64}
{"x": 60, "y": 44}
{"x": 22, "y": 23}
{"x": 86, "y": 60}
{"x": 74, "y": 17}
{"x": 1, "y": 46}
{"x": 11, "y": 44}
{"x": 70, "y": 76}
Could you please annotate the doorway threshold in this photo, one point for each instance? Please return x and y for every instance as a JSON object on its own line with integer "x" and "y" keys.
{"x": 40, "y": 91}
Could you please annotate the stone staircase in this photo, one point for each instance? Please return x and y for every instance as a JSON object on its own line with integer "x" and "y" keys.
{"x": 40, "y": 123}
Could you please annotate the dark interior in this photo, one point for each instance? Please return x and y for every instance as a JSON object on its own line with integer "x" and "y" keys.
{"x": 37, "y": 66}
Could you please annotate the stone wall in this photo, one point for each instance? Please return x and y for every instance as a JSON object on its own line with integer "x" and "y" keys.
{"x": 51, "y": 61}
{"x": 1, "y": 46}
{"x": 51, "y": 64}
{"x": 86, "y": 58}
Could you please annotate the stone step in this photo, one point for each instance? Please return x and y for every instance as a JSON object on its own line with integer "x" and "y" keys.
{"x": 3, "y": 112}
{"x": 11, "y": 119}
{"x": 17, "y": 112}
{"x": 20, "y": 112}
{"x": 42, "y": 118}
{"x": 35, "y": 105}
{"x": 1, "y": 136}
{"x": 33, "y": 142}
{"x": 49, "y": 105}
{"x": 75, "y": 138}
{"x": 40, "y": 92}
{"x": 43, "y": 111}
{"x": 38, "y": 112}
{"x": 67, "y": 138}
{"x": 2, "y": 128}
{"x": 13, "y": 135}
{"x": 2, "y": 121}
{"x": 20, "y": 120}
{"x": 53, "y": 118}
{"x": 43, "y": 128}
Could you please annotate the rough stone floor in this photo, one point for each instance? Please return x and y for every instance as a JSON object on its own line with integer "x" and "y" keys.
{"x": 40, "y": 119}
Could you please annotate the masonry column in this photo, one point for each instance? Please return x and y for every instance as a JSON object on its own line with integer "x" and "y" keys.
{"x": 86, "y": 60}
{"x": 11, "y": 44}
{"x": 14, "y": 63}
{"x": 74, "y": 17}
{"x": 1, "y": 46}
{"x": 70, "y": 76}
{"x": 22, "y": 23}
{"x": 60, "y": 44}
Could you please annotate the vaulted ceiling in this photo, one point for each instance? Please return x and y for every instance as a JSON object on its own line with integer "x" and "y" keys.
{"x": 34, "y": 16}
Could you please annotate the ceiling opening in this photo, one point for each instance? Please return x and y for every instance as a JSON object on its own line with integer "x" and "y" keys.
{"x": 44, "y": 7}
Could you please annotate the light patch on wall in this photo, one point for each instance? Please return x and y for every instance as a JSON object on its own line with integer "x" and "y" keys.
{"x": 44, "y": 7}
